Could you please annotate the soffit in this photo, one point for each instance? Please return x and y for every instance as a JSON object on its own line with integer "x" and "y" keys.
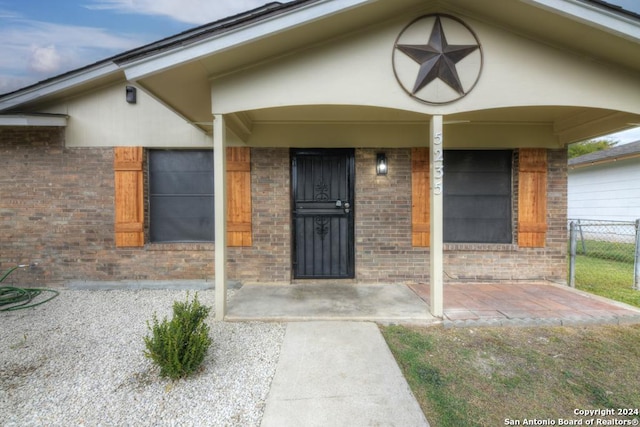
{"x": 346, "y": 113}
{"x": 569, "y": 124}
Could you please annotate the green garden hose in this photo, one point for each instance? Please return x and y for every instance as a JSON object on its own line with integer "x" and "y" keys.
{"x": 18, "y": 298}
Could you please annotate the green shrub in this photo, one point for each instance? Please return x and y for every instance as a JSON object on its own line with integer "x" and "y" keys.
{"x": 178, "y": 346}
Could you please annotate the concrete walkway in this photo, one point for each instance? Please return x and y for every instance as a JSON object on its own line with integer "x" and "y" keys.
{"x": 339, "y": 374}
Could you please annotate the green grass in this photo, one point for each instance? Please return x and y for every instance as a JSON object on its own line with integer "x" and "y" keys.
{"x": 607, "y": 278}
{"x": 483, "y": 377}
{"x": 616, "y": 251}
{"x": 426, "y": 380}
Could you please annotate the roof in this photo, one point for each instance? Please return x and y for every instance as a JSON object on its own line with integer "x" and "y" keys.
{"x": 222, "y": 25}
{"x": 606, "y": 156}
{"x": 212, "y": 28}
{"x": 110, "y": 64}
{"x": 614, "y": 7}
{"x": 615, "y": 25}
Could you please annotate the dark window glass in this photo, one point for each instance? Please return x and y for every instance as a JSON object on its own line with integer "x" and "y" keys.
{"x": 181, "y": 195}
{"x": 477, "y": 196}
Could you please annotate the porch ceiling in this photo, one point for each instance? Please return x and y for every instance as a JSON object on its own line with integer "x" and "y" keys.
{"x": 568, "y": 124}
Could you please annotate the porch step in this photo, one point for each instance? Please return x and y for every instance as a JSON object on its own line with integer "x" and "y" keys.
{"x": 532, "y": 322}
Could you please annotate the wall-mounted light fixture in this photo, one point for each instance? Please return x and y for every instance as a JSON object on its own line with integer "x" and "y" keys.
{"x": 382, "y": 166}
{"x": 131, "y": 94}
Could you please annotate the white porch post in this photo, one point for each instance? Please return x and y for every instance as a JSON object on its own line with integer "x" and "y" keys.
{"x": 220, "y": 213}
{"x": 436, "y": 173}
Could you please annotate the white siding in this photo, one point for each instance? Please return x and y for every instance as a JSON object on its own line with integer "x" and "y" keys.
{"x": 608, "y": 191}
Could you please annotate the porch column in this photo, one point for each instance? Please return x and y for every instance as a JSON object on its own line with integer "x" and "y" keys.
{"x": 220, "y": 214}
{"x": 436, "y": 172}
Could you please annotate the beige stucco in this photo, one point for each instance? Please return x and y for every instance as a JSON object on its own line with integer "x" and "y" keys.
{"x": 104, "y": 118}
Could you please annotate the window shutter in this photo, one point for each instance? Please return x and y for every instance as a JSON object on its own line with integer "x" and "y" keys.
{"x": 532, "y": 198}
{"x": 239, "y": 196}
{"x": 129, "y": 196}
{"x": 420, "y": 232}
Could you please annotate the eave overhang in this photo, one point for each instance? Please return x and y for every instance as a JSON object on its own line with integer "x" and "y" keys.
{"x": 307, "y": 12}
{"x": 39, "y": 91}
{"x": 589, "y": 13}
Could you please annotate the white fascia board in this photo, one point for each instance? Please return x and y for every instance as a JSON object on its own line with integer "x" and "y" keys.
{"x": 43, "y": 89}
{"x": 595, "y": 16}
{"x": 147, "y": 66}
{"x": 32, "y": 120}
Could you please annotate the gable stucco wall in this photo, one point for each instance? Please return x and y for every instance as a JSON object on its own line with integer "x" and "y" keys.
{"x": 356, "y": 69}
{"x": 56, "y": 210}
{"x": 103, "y": 118}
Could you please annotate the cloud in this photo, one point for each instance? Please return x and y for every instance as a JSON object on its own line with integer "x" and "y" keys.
{"x": 45, "y": 59}
{"x": 188, "y": 11}
{"x": 33, "y": 50}
{"x": 8, "y": 14}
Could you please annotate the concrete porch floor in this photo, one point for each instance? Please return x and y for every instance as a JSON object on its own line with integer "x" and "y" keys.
{"x": 481, "y": 304}
{"x": 328, "y": 301}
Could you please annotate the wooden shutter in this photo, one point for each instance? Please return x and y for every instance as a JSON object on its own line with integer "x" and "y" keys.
{"x": 239, "y": 196}
{"x": 532, "y": 198}
{"x": 420, "y": 211}
{"x": 129, "y": 196}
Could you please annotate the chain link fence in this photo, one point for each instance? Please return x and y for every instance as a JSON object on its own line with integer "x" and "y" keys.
{"x": 614, "y": 245}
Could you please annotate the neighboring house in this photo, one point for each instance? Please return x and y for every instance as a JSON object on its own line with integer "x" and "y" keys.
{"x": 605, "y": 185}
{"x": 374, "y": 141}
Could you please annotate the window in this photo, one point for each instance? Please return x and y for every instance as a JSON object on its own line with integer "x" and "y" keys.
{"x": 477, "y": 196}
{"x": 181, "y": 196}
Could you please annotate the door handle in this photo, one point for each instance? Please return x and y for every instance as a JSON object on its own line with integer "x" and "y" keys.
{"x": 345, "y": 205}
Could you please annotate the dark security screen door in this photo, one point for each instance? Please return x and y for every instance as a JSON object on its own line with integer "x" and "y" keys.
{"x": 322, "y": 191}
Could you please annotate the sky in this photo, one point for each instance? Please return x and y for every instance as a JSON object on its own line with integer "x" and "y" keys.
{"x": 44, "y": 38}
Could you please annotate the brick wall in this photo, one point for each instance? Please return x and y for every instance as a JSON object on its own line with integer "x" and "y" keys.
{"x": 509, "y": 262}
{"x": 56, "y": 210}
{"x": 383, "y": 221}
{"x": 269, "y": 259}
{"x": 383, "y": 230}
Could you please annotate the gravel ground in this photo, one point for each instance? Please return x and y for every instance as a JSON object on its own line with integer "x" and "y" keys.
{"x": 78, "y": 360}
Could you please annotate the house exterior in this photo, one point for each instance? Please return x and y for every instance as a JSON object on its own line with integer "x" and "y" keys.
{"x": 605, "y": 185}
{"x": 360, "y": 140}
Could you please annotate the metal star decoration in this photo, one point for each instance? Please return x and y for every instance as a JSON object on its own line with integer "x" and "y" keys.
{"x": 437, "y": 59}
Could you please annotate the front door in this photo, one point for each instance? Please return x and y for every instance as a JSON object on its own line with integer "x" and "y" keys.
{"x": 322, "y": 191}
